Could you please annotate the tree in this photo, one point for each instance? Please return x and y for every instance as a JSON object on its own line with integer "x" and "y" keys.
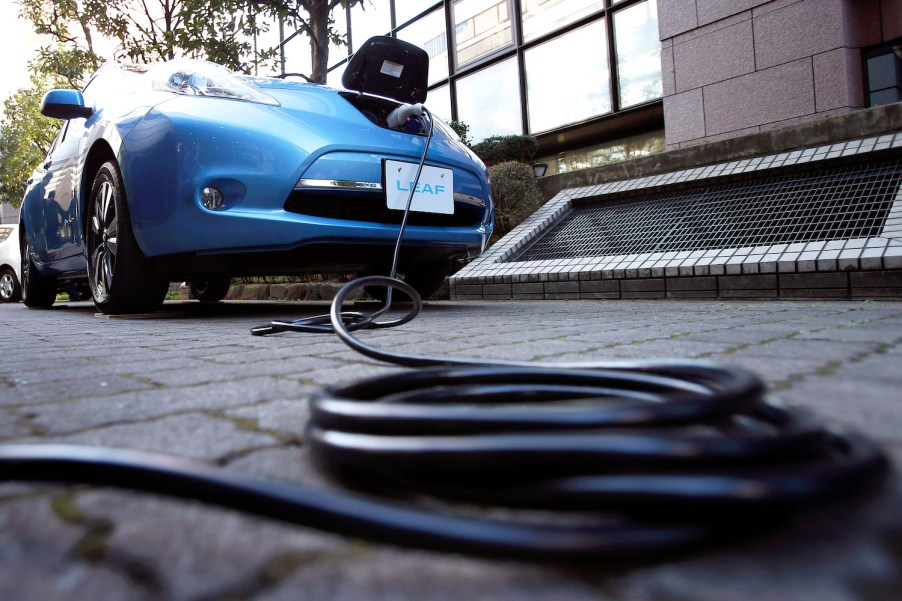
{"x": 25, "y": 139}
{"x": 223, "y": 31}
{"x": 314, "y": 18}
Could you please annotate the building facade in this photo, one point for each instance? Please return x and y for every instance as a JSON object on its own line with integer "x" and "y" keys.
{"x": 735, "y": 67}
{"x": 599, "y": 81}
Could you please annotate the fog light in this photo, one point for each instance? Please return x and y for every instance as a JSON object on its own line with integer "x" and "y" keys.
{"x": 211, "y": 198}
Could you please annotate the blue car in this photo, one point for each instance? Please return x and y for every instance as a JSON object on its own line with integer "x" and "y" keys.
{"x": 186, "y": 171}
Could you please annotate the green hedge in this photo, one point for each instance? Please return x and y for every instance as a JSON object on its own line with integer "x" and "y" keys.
{"x": 500, "y": 149}
{"x": 515, "y": 195}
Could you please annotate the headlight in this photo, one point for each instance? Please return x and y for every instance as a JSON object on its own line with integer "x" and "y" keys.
{"x": 201, "y": 78}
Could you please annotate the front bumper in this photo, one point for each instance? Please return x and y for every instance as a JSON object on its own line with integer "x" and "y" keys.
{"x": 284, "y": 187}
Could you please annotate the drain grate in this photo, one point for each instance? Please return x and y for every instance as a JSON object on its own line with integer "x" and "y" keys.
{"x": 850, "y": 202}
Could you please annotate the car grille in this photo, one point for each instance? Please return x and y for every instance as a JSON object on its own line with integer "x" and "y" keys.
{"x": 371, "y": 207}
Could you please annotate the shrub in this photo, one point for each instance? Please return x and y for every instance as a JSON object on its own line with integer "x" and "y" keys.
{"x": 462, "y": 130}
{"x": 499, "y": 149}
{"x": 515, "y": 195}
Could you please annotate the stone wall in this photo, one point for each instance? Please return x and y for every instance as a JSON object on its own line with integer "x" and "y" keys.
{"x": 736, "y": 67}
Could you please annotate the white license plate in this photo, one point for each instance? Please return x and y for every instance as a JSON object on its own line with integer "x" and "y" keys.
{"x": 434, "y": 192}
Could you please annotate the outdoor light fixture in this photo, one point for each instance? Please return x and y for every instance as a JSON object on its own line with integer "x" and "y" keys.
{"x": 539, "y": 169}
{"x": 211, "y": 198}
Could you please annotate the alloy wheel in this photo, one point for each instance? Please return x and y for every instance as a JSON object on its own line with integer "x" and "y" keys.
{"x": 104, "y": 238}
{"x": 7, "y": 287}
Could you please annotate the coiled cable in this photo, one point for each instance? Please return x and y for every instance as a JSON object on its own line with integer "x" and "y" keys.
{"x": 664, "y": 454}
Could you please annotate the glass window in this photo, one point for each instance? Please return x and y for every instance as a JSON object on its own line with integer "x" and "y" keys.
{"x": 369, "y": 18}
{"x": 297, "y": 56}
{"x": 605, "y": 153}
{"x": 561, "y": 90}
{"x": 267, "y": 40}
{"x": 480, "y": 28}
{"x": 338, "y": 52}
{"x": 883, "y": 66}
{"x": 333, "y": 77}
{"x": 543, "y": 16}
{"x": 429, "y": 34}
{"x": 638, "y": 53}
{"x": 488, "y": 101}
{"x": 405, "y": 10}
{"x": 439, "y": 102}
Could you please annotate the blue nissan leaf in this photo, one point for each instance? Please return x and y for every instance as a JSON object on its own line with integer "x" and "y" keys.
{"x": 186, "y": 171}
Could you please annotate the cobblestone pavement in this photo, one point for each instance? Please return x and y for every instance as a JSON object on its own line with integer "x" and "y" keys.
{"x": 193, "y": 382}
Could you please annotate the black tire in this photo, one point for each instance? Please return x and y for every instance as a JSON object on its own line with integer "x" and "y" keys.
{"x": 10, "y": 290}
{"x": 209, "y": 290}
{"x": 425, "y": 279}
{"x": 38, "y": 292}
{"x": 120, "y": 278}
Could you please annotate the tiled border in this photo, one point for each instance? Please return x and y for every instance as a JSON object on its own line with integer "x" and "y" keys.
{"x": 492, "y": 275}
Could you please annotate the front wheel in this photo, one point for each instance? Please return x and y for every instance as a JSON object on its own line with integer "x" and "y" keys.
{"x": 10, "y": 291}
{"x": 38, "y": 292}
{"x": 120, "y": 278}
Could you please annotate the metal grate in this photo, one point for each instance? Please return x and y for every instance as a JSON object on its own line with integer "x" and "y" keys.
{"x": 850, "y": 202}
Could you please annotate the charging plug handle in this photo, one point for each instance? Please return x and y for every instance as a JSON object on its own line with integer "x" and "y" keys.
{"x": 400, "y": 115}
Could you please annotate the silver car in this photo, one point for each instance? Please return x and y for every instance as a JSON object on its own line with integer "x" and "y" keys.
{"x": 10, "y": 264}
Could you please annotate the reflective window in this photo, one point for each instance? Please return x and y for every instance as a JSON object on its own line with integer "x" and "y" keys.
{"x": 333, "y": 77}
{"x": 605, "y": 153}
{"x": 480, "y": 27}
{"x": 561, "y": 91}
{"x": 405, "y": 10}
{"x": 489, "y": 101}
{"x": 297, "y": 56}
{"x": 429, "y": 34}
{"x": 267, "y": 40}
{"x": 543, "y": 16}
{"x": 883, "y": 69}
{"x": 638, "y": 53}
{"x": 369, "y": 18}
{"x": 339, "y": 52}
{"x": 439, "y": 102}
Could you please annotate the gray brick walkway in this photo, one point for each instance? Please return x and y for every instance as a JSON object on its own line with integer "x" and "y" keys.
{"x": 195, "y": 383}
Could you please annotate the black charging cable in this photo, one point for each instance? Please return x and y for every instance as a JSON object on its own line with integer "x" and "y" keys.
{"x": 615, "y": 459}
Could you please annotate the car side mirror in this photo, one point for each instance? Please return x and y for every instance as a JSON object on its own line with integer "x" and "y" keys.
{"x": 65, "y": 104}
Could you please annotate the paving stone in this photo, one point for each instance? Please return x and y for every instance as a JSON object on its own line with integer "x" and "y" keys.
{"x": 39, "y": 558}
{"x": 286, "y": 417}
{"x": 192, "y": 382}
{"x": 399, "y": 576}
{"x": 82, "y": 414}
{"x": 192, "y": 547}
{"x": 193, "y": 436}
